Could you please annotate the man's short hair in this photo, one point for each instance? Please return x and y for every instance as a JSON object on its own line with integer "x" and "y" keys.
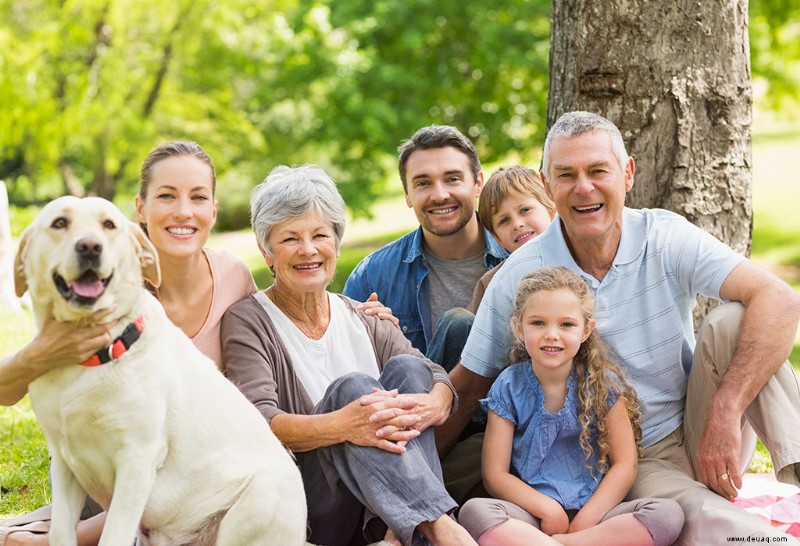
{"x": 577, "y": 123}
{"x": 438, "y": 136}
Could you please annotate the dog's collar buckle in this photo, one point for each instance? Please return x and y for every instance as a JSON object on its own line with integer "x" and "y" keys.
{"x": 119, "y": 346}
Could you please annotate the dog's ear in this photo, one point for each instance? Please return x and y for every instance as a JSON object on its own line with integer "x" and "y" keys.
{"x": 148, "y": 257}
{"x": 20, "y": 280}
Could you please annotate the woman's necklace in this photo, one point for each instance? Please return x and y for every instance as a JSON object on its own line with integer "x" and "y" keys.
{"x": 313, "y": 329}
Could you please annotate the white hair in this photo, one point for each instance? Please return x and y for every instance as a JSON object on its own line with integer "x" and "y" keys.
{"x": 577, "y": 123}
{"x": 292, "y": 192}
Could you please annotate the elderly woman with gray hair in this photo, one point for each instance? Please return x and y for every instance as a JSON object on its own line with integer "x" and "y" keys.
{"x": 346, "y": 392}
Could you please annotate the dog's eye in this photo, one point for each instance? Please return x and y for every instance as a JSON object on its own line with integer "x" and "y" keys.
{"x": 108, "y": 224}
{"x": 60, "y": 223}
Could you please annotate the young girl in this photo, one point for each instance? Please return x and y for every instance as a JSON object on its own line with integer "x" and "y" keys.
{"x": 561, "y": 445}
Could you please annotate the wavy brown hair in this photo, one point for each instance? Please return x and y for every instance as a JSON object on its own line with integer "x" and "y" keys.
{"x": 598, "y": 374}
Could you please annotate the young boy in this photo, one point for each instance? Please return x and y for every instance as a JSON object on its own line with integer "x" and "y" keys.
{"x": 514, "y": 207}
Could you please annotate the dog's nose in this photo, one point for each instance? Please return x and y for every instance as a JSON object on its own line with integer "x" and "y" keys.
{"x": 89, "y": 248}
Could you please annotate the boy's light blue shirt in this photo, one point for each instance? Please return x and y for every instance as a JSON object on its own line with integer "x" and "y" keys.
{"x": 643, "y": 305}
{"x": 397, "y": 273}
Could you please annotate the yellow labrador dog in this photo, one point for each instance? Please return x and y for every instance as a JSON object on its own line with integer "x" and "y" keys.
{"x": 148, "y": 427}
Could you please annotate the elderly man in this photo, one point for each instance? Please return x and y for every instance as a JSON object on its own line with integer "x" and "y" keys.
{"x": 645, "y": 268}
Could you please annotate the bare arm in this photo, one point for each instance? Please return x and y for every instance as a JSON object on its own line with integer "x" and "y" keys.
{"x": 623, "y": 458}
{"x": 767, "y": 333}
{"x": 502, "y": 484}
{"x": 470, "y": 387}
{"x": 56, "y": 344}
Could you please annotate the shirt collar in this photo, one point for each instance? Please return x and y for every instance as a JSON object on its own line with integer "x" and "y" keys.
{"x": 491, "y": 247}
{"x": 631, "y": 244}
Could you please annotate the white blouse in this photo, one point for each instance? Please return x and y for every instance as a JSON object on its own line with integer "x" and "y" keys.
{"x": 316, "y": 361}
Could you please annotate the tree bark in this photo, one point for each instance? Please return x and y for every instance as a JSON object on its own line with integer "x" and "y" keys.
{"x": 675, "y": 78}
{"x": 8, "y": 298}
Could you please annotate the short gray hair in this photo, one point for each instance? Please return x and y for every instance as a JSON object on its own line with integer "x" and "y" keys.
{"x": 292, "y": 192}
{"x": 577, "y": 123}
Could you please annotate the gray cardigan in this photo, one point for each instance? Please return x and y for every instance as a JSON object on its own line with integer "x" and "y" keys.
{"x": 254, "y": 357}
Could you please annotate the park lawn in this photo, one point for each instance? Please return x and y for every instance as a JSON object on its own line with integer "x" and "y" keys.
{"x": 23, "y": 453}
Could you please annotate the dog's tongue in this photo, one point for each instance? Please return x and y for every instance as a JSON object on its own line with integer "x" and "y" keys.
{"x": 88, "y": 285}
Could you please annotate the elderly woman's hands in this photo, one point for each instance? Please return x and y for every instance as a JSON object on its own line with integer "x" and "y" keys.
{"x": 400, "y": 414}
{"x": 383, "y": 419}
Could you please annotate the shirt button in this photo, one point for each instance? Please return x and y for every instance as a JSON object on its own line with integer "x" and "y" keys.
{"x": 405, "y": 328}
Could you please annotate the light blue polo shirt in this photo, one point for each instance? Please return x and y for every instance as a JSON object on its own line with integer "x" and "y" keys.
{"x": 643, "y": 305}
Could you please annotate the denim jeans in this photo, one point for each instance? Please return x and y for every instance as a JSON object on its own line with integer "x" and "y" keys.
{"x": 344, "y": 481}
{"x": 445, "y": 349}
{"x": 451, "y": 335}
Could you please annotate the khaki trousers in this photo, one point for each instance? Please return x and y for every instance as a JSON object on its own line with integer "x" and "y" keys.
{"x": 668, "y": 467}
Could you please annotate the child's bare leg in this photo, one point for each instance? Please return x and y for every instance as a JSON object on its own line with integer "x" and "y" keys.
{"x": 622, "y": 530}
{"x": 514, "y": 532}
{"x": 445, "y": 532}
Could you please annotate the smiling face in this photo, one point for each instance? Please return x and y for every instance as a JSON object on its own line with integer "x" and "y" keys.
{"x": 518, "y": 219}
{"x": 588, "y": 185}
{"x": 441, "y": 189}
{"x": 302, "y": 254}
{"x": 552, "y": 326}
{"x": 179, "y": 209}
{"x": 80, "y": 255}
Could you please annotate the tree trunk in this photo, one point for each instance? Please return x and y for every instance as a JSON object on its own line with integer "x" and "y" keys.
{"x": 8, "y": 298}
{"x": 675, "y": 78}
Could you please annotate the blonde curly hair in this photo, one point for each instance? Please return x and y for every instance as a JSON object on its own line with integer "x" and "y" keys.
{"x": 598, "y": 374}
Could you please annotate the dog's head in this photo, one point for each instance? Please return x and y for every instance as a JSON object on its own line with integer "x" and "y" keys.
{"x": 82, "y": 255}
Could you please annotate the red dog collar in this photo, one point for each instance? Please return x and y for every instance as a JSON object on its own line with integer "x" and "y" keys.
{"x": 129, "y": 336}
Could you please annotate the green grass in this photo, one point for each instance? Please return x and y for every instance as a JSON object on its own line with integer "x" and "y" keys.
{"x": 23, "y": 453}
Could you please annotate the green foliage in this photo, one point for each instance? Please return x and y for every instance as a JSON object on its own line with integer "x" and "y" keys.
{"x": 775, "y": 51}
{"x": 88, "y": 87}
{"x": 21, "y": 217}
{"x": 392, "y": 67}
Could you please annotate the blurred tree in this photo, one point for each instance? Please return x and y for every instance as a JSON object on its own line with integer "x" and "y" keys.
{"x": 775, "y": 51}
{"x": 88, "y": 87}
{"x": 393, "y": 67}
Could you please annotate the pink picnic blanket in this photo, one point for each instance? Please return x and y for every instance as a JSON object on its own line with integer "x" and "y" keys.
{"x": 782, "y": 510}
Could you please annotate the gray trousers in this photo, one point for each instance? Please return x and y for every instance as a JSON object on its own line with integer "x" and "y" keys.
{"x": 347, "y": 485}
